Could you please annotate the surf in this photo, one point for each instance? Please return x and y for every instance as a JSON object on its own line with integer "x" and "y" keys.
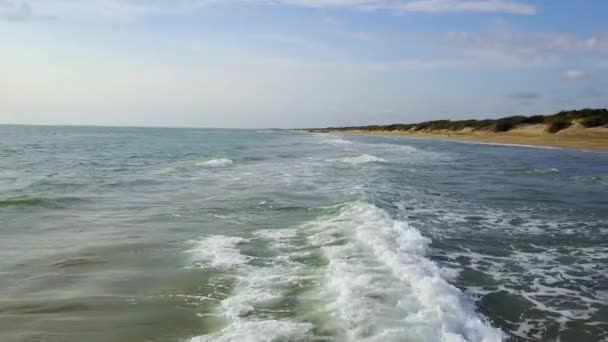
{"x": 375, "y": 283}
{"x": 215, "y": 163}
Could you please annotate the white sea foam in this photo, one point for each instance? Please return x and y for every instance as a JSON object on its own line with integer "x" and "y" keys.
{"x": 364, "y": 158}
{"x": 259, "y": 287}
{"x": 378, "y": 284}
{"x": 216, "y": 163}
{"x": 544, "y": 171}
{"x": 394, "y": 147}
{"x": 558, "y": 279}
{"x": 260, "y": 331}
{"x": 222, "y": 217}
{"x": 459, "y": 215}
{"x": 336, "y": 141}
{"x": 219, "y": 251}
{"x": 511, "y": 145}
{"x": 362, "y": 243}
{"x": 553, "y": 280}
{"x": 277, "y": 235}
{"x": 362, "y": 295}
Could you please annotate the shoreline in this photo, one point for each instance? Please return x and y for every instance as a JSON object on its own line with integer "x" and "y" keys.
{"x": 595, "y": 139}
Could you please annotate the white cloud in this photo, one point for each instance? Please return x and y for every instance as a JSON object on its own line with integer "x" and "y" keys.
{"x": 12, "y": 10}
{"x": 133, "y": 9}
{"x": 501, "y": 47}
{"x": 82, "y": 9}
{"x": 574, "y": 74}
{"x": 490, "y": 6}
{"x": 521, "y": 48}
{"x": 432, "y": 6}
{"x": 529, "y": 42}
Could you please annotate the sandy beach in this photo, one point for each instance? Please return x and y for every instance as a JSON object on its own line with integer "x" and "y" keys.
{"x": 573, "y": 137}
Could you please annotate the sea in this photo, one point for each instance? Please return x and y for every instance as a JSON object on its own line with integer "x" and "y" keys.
{"x": 162, "y": 234}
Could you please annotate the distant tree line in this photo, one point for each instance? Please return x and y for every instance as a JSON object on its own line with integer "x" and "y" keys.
{"x": 554, "y": 123}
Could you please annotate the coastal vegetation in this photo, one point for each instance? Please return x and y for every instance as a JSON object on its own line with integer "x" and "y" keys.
{"x": 554, "y": 123}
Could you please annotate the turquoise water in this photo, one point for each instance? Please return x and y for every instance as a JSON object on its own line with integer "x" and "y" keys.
{"x": 133, "y": 234}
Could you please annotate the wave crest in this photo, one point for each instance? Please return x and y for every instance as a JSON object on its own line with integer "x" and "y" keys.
{"x": 219, "y": 251}
{"x": 543, "y": 171}
{"x": 362, "y": 159}
{"x": 32, "y": 201}
{"x": 382, "y": 281}
{"x": 22, "y": 201}
{"x": 336, "y": 141}
{"x": 213, "y": 163}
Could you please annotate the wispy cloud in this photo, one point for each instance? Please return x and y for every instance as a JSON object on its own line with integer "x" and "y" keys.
{"x": 134, "y": 9}
{"x": 28, "y": 10}
{"x": 524, "y": 42}
{"x": 523, "y": 48}
{"x": 499, "y": 47}
{"x": 12, "y": 10}
{"x": 574, "y": 74}
{"x": 429, "y": 6}
{"x": 491, "y": 6}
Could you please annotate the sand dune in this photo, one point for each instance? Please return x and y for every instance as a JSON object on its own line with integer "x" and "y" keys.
{"x": 573, "y": 137}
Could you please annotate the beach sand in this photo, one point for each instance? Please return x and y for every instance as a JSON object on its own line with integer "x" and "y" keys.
{"x": 575, "y": 137}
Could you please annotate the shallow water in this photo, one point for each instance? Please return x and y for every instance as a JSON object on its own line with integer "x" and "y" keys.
{"x": 132, "y": 234}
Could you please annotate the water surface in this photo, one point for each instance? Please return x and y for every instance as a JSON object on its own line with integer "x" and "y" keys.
{"x": 133, "y": 234}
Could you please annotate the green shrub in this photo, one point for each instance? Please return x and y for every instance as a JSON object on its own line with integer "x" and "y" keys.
{"x": 534, "y": 119}
{"x": 514, "y": 120}
{"x": 558, "y": 124}
{"x": 503, "y": 126}
{"x": 588, "y": 117}
{"x": 579, "y": 114}
{"x": 483, "y": 124}
{"x": 595, "y": 121}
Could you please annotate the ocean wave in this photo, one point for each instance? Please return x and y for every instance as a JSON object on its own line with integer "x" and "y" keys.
{"x": 261, "y": 286}
{"x": 216, "y": 163}
{"x": 23, "y": 201}
{"x": 556, "y": 282}
{"x": 366, "y": 248}
{"x": 364, "y": 158}
{"x": 219, "y": 251}
{"x": 79, "y": 262}
{"x": 33, "y": 201}
{"x": 356, "y": 272}
{"x": 601, "y": 180}
{"x": 254, "y": 331}
{"x": 395, "y": 147}
{"x": 496, "y": 144}
{"x": 543, "y": 171}
{"x": 336, "y": 141}
{"x": 549, "y": 281}
{"x": 277, "y": 235}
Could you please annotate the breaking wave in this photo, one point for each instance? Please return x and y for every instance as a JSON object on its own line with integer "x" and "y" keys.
{"x": 336, "y": 141}
{"x": 381, "y": 285}
{"x": 376, "y": 284}
{"x": 364, "y": 158}
{"x": 213, "y": 163}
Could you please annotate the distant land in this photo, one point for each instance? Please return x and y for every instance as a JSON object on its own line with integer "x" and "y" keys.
{"x": 581, "y": 129}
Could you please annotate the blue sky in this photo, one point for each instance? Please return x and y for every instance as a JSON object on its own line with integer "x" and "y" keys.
{"x": 297, "y": 63}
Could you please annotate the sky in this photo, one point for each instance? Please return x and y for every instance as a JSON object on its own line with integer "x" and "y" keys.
{"x": 297, "y": 63}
